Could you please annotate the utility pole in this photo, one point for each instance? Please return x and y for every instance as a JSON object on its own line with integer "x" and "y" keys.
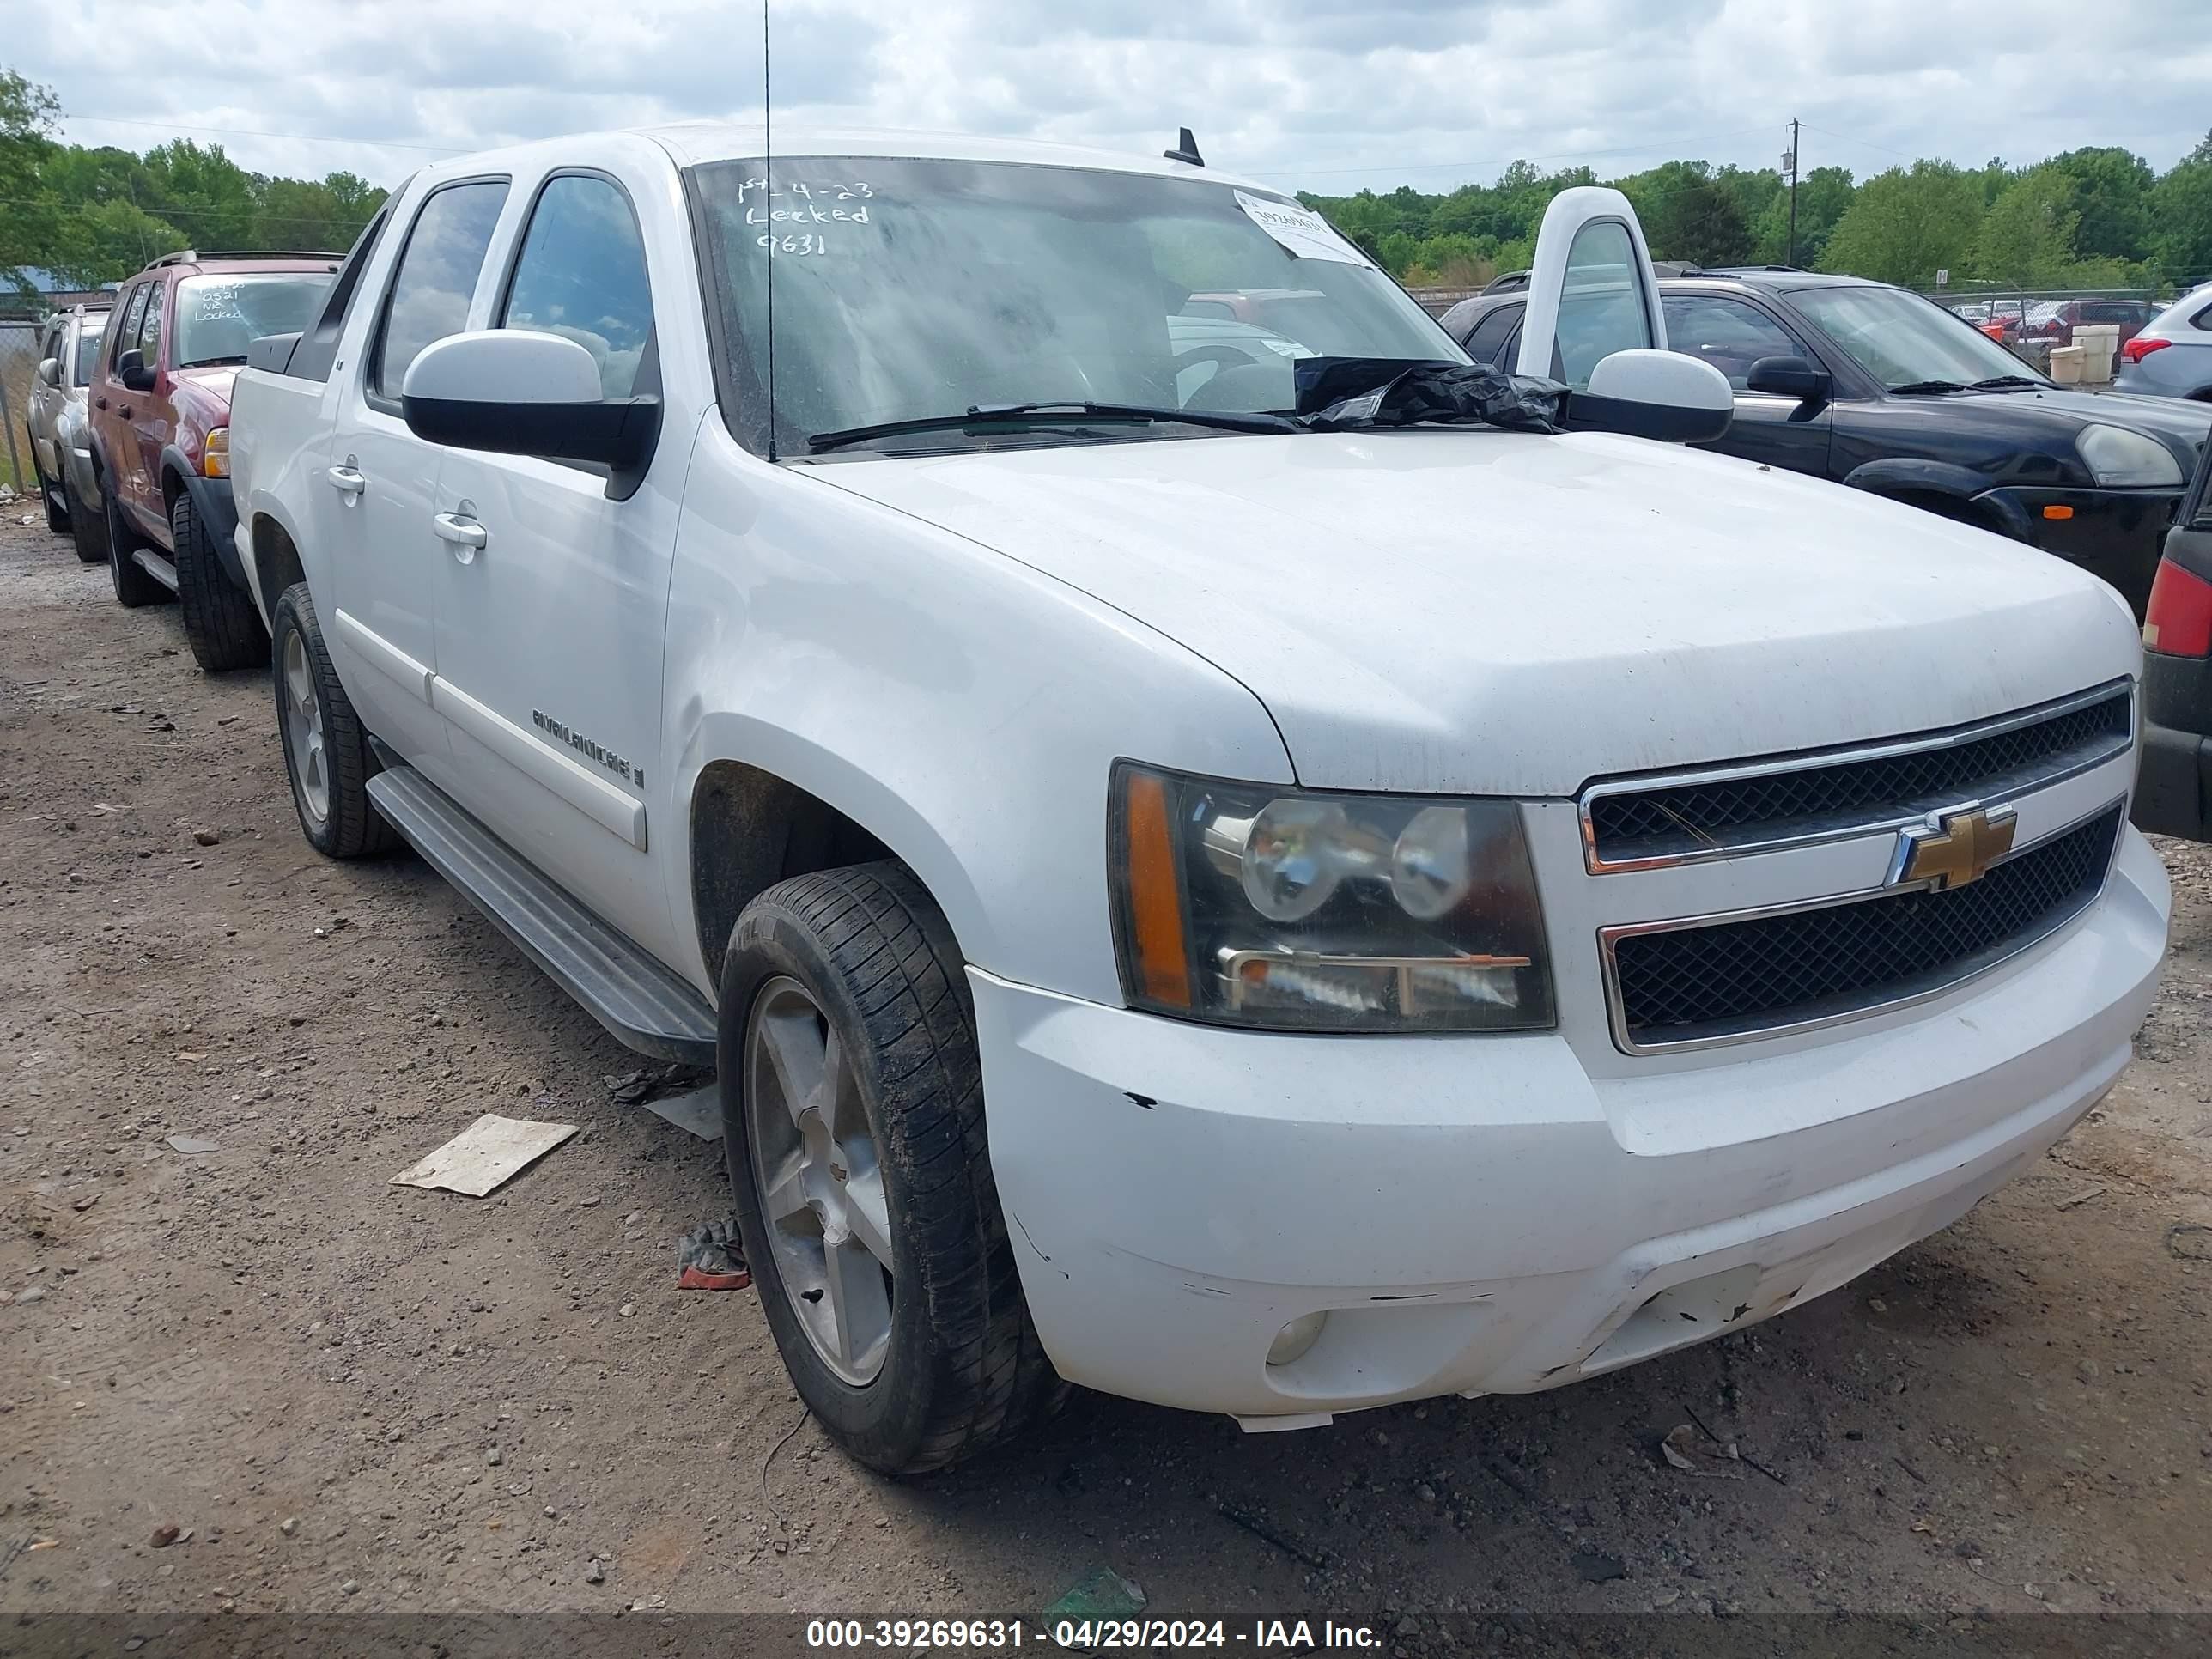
{"x": 1790, "y": 161}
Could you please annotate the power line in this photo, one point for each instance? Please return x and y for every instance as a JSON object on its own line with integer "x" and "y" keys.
{"x": 256, "y": 132}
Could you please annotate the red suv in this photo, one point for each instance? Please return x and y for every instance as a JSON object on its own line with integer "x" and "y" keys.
{"x": 159, "y": 410}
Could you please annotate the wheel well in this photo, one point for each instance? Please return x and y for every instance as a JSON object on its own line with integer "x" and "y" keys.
{"x": 750, "y": 829}
{"x": 172, "y": 485}
{"x": 1948, "y": 507}
{"x": 275, "y": 561}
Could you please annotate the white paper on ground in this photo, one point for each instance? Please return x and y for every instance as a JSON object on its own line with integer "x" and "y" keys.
{"x": 491, "y": 1150}
{"x": 1306, "y": 234}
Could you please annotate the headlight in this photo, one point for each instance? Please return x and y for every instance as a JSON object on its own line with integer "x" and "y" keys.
{"x": 2117, "y": 456}
{"x": 1246, "y": 904}
{"x": 215, "y": 454}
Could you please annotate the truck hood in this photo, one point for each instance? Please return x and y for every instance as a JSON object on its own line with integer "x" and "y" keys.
{"x": 1499, "y": 613}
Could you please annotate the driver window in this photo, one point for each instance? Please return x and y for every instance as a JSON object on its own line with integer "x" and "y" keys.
{"x": 1600, "y": 303}
{"x": 1728, "y": 334}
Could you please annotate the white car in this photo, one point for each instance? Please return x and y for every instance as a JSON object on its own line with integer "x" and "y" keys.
{"x": 1257, "y": 918}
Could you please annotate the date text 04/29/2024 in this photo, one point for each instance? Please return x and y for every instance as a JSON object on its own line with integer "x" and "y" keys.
{"x": 1091, "y": 1635}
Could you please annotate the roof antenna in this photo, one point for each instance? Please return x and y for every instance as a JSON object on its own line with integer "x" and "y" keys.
{"x": 1186, "y": 148}
{"x": 768, "y": 192}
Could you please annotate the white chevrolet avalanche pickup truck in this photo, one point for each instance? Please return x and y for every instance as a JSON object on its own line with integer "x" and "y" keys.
{"x": 1259, "y": 914}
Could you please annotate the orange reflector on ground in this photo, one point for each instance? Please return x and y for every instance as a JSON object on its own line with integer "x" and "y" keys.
{"x": 1155, "y": 912}
{"x": 2056, "y": 512}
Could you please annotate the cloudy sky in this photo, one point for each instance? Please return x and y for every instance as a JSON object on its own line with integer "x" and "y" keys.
{"x": 1326, "y": 94}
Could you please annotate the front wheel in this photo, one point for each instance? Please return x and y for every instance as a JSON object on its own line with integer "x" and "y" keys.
{"x": 221, "y": 623}
{"x": 853, "y": 1118}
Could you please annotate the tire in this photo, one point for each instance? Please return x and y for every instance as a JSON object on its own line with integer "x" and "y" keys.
{"x": 88, "y": 528}
{"x": 960, "y": 1368}
{"x": 221, "y": 624}
{"x": 133, "y": 586}
{"x": 49, "y": 495}
{"x": 330, "y": 776}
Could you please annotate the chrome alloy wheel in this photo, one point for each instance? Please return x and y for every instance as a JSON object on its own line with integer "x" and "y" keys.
{"x": 303, "y": 730}
{"x": 820, "y": 1181}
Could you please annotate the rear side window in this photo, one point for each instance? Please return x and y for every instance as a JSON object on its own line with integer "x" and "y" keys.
{"x": 1490, "y": 334}
{"x": 581, "y": 275}
{"x": 430, "y": 291}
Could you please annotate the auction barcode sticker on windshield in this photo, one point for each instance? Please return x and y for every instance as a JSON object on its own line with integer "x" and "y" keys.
{"x": 1304, "y": 233}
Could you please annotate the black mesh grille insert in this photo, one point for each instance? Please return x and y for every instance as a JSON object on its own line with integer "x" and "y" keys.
{"x": 1659, "y": 821}
{"x": 1745, "y": 976}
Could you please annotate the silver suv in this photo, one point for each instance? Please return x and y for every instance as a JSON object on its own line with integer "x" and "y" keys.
{"x": 61, "y": 444}
{"x": 2173, "y": 356}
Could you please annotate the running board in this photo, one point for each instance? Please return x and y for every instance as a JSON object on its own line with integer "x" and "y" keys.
{"x": 642, "y": 1005}
{"x": 155, "y": 566}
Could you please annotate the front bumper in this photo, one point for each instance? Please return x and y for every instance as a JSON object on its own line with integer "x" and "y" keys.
{"x": 2116, "y": 534}
{"x": 1489, "y": 1214}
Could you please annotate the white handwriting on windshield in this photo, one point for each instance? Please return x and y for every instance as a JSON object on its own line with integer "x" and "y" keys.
{"x": 806, "y": 242}
{"x": 803, "y": 203}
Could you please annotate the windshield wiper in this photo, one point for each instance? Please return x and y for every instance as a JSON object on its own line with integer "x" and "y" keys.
{"x": 1915, "y": 388}
{"x": 1050, "y": 414}
{"x": 212, "y": 362}
{"x": 1999, "y": 382}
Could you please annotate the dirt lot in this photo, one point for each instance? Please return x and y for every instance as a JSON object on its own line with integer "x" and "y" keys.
{"x": 363, "y": 1397}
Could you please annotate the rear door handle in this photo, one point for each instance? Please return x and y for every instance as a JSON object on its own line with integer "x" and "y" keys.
{"x": 465, "y": 534}
{"x": 346, "y": 480}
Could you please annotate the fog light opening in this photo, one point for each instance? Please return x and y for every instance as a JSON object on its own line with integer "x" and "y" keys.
{"x": 1296, "y": 1339}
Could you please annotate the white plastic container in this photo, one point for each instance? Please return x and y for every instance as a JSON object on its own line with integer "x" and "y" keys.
{"x": 2100, "y": 344}
{"x": 2066, "y": 364}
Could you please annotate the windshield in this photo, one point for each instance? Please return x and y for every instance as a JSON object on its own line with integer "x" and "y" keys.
{"x": 89, "y": 333}
{"x": 1902, "y": 339}
{"x": 906, "y": 289}
{"x": 217, "y": 317}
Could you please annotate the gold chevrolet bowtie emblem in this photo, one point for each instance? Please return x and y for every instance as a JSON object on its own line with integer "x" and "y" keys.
{"x": 1953, "y": 848}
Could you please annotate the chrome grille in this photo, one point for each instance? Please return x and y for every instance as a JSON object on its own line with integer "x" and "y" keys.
{"x": 1789, "y": 801}
{"x": 1723, "y": 977}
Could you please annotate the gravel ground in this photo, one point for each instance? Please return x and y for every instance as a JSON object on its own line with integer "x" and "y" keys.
{"x": 348, "y": 1395}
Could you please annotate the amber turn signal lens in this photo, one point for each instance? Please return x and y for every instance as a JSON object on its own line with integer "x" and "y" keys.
{"x": 1155, "y": 907}
{"x": 2056, "y": 512}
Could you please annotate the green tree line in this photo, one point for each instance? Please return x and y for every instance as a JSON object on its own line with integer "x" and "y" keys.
{"x": 2098, "y": 218}
{"x": 96, "y": 214}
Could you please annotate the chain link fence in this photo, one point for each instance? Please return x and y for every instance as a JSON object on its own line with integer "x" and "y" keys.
{"x": 19, "y": 369}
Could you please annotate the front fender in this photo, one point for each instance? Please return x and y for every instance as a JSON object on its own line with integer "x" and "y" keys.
{"x": 1904, "y": 475}
{"x": 965, "y": 709}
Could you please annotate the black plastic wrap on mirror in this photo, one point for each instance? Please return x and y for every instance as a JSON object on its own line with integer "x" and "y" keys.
{"x": 1339, "y": 392}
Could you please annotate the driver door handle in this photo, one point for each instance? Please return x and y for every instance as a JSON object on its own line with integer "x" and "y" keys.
{"x": 465, "y": 534}
{"x": 346, "y": 480}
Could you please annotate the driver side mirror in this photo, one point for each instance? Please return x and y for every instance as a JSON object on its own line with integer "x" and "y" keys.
{"x": 132, "y": 370}
{"x": 50, "y": 371}
{"x": 1791, "y": 377}
{"x": 1668, "y": 395}
{"x": 514, "y": 392}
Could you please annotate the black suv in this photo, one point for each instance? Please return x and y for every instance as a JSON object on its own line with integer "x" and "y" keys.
{"x": 1876, "y": 387}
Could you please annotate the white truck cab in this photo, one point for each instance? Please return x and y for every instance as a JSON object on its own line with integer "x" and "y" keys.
{"x": 1252, "y": 912}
